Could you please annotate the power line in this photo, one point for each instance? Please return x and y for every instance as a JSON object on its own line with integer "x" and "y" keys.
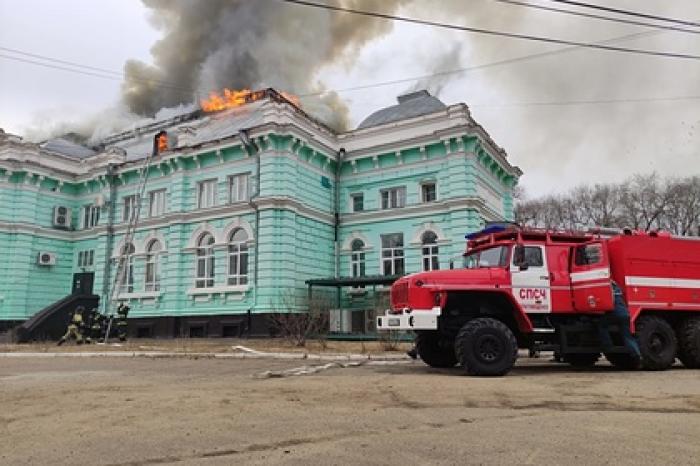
{"x": 628, "y": 12}
{"x": 589, "y": 102}
{"x": 507, "y": 61}
{"x": 78, "y": 68}
{"x": 490, "y": 32}
{"x": 600, "y": 17}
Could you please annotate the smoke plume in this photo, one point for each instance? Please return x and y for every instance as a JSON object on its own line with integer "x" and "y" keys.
{"x": 207, "y": 46}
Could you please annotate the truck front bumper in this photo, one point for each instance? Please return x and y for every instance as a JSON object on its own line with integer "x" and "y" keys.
{"x": 409, "y": 319}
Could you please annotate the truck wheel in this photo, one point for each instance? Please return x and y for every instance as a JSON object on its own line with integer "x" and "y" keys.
{"x": 657, "y": 343}
{"x": 434, "y": 350}
{"x": 689, "y": 342}
{"x": 486, "y": 346}
{"x": 582, "y": 359}
{"x": 624, "y": 361}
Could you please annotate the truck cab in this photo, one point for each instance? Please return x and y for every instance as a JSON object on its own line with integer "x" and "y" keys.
{"x": 515, "y": 288}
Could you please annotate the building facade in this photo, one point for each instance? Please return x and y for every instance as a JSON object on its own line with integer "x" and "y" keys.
{"x": 240, "y": 207}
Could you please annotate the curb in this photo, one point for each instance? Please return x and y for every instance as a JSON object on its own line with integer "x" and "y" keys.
{"x": 175, "y": 355}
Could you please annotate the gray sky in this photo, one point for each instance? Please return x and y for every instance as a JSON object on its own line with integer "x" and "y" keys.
{"x": 557, "y": 146}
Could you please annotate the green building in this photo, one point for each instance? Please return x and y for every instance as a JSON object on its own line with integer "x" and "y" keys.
{"x": 240, "y": 208}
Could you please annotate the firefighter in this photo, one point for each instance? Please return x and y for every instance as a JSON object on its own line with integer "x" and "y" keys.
{"x": 74, "y": 327}
{"x": 86, "y": 326}
{"x": 619, "y": 316}
{"x": 96, "y": 325}
{"x": 122, "y": 313}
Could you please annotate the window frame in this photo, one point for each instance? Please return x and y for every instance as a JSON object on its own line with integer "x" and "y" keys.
{"x": 353, "y": 198}
{"x": 129, "y": 207}
{"x": 91, "y": 216}
{"x": 201, "y": 191}
{"x": 151, "y": 198}
{"x": 423, "y": 187}
{"x": 246, "y": 190}
{"x": 396, "y": 255}
{"x": 396, "y": 193}
{"x": 152, "y": 276}
{"x": 430, "y": 252}
{"x": 238, "y": 253}
{"x": 126, "y": 284}
{"x": 204, "y": 255}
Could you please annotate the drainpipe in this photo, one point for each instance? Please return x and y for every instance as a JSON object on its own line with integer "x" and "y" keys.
{"x": 250, "y": 146}
{"x": 336, "y": 225}
{"x": 109, "y": 241}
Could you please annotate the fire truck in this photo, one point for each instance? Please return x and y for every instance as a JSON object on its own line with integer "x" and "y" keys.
{"x": 548, "y": 290}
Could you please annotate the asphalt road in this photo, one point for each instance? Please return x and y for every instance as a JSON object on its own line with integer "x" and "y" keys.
{"x": 206, "y": 411}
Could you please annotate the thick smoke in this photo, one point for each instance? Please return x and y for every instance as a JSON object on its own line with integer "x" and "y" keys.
{"x": 207, "y": 46}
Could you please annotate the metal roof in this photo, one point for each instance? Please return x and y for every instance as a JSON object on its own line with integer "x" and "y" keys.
{"x": 409, "y": 106}
{"x": 66, "y": 147}
{"x": 210, "y": 127}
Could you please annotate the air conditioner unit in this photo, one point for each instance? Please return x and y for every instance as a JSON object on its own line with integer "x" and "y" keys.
{"x": 46, "y": 258}
{"x": 61, "y": 217}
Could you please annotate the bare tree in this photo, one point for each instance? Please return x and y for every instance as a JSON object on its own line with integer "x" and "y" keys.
{"x": 644, "y": 202}
{"x": 299, "y": 319}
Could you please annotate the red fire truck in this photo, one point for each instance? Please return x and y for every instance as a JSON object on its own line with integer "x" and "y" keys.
{"x": 551, "y": 291}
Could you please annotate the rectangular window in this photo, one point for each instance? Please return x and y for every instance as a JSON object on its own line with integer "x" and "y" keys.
{"x": 428, "y": 192}
{"x": 206, "y": 194}
{"x": 358, "y": 202}
{"x": 392, "y": 254}
{"x": 393, "y": 198}
{"x": 130, "y": 207}
{"x": 238, "y": 188}
{"x": 91, "y": 216}
{"x": 86, "y": 258}
{"x": 156, "y": 203}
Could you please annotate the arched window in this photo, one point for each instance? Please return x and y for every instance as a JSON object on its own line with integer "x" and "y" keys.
{"x": 153, "y": 265}
{"x": 126, "y": 273}
{"x": 430, "y": 251}
{"x": 238, "y": 258}
{"x": 357, "y": 258}
{"x": 205, "y": 262}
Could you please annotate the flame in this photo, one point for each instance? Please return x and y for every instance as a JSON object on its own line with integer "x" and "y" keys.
{"x": 236, "y": 98}
{"x": 162, "y": 142}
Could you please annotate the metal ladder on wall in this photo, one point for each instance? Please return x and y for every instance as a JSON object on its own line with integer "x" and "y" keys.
{"x": 123, "y": 255}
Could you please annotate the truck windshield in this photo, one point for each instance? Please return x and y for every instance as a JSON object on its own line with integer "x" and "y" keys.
{"x": 492, "y": 257}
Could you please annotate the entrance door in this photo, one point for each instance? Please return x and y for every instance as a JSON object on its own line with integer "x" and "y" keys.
{"x": 530, "y": 279}
{"x": 590, "y": 278}
{"x": 82, "y": 282}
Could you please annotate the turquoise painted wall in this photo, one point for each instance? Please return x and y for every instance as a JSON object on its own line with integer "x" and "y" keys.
{"x": 295, "y": 223}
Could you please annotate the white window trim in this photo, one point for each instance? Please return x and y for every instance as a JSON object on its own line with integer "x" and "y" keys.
{"x": 238, "y": 254}
{"x": 150, "y": 202}
{"x": 389, "y": 190}
{"x": 206, "y": 259}
{"x": 426, "y": 183}
{"x": 393, "y": 257}
{"x": 218, "y": 290}
{"x": 215, "y": 195}
{"x": 229, "y": 186}
{"x": 89, "y": 212}
{"x": 134, "y": 204}
{"x": 351, "y": 207}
